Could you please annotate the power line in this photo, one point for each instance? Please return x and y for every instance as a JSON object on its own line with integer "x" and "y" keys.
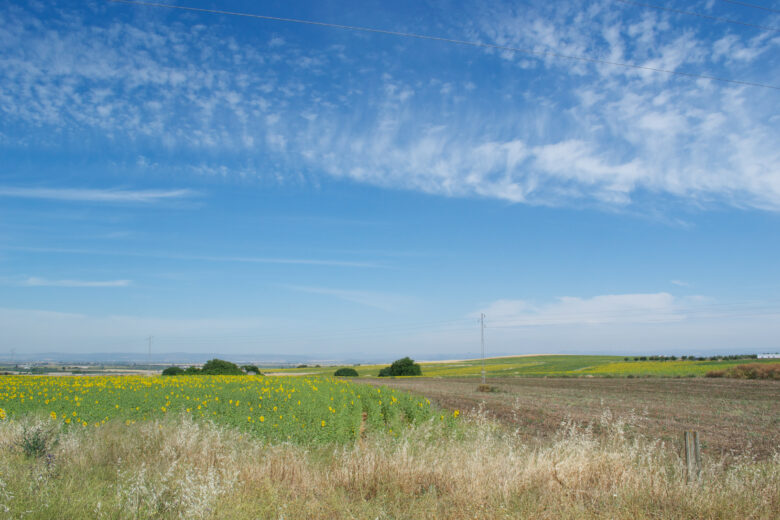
{"x": 482, "y": 338}
{"x": 754, "y": 6}
{"x": 706, "y": 16}
{"x": 448, "y": 40}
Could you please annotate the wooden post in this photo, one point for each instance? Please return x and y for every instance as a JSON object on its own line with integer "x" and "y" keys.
{"x": 692, "y": 455}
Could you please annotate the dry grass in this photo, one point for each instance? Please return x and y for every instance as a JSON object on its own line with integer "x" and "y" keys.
{"x": 480, "y": 470}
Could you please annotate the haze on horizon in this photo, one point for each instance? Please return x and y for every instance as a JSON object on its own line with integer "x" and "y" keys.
{"x": 236, "y": 185}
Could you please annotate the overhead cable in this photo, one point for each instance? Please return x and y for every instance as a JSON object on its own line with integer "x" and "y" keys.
{"x": 450, "y": 40}
{"x": 754, "y": 6}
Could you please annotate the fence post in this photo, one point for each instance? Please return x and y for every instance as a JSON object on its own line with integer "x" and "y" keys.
{"x": 692, "y": 455}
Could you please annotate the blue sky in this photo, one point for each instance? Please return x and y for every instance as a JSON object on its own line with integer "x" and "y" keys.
{"x": 237, "y": 185}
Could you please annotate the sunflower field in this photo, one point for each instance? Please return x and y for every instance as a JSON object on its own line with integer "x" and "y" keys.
{"x": 277, "y": 409}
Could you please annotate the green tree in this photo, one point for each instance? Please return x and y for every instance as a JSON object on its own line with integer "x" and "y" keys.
{"x": 402, "y": 367}
{"x": 346, "y": 372}
{"x": 173, "y": 371}
{"x": 220, "y": 367}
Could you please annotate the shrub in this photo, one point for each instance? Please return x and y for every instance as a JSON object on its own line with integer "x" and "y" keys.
{"x": 345, "y": 372}
{"x": 750, "y": 371}
{"x": 37, "y": 440}
{"x": 755, "y": 371}
{"x": 251, "y": 368}
{"x": 173, "y": 371}
{"x": 192, "y": 370}
{"x": 402, "y": 367}
{"x": 220, "y": 367}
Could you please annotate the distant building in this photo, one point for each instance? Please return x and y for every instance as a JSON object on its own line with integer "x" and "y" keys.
{"x": 769, "y": 356}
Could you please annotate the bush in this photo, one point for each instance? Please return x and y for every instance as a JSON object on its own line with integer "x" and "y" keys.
{"x": 251, "y": 368}
{"x": 402, "y": 367}
{"x": 345, "y": 372}
{"x": 173, "y": 371}
{"x": 192, "y": 370}
{"x": 220, "y": 367}
{"x": 750, "y": 371}
{"x": 37, "y": 440}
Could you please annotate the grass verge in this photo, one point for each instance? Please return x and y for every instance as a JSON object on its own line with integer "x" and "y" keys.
{"x": 180, "y": 468}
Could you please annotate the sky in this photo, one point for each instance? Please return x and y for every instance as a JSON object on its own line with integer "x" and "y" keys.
{"x": 239, "y": 185}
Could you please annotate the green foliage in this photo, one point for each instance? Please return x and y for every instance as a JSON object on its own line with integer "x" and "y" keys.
{"x": 173, "y": 371}
{"x": 402, "y": 367}
{"x": 220, "y": 367}
{"x": 36, "y": 441}
{"x": 251, "y": 368}
{"x": 306, "y": 410}
{"x": 192, "y": 370}
{"x": 346, "y": 372}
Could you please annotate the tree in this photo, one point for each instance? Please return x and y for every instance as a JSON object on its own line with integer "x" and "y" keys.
{"x": 173, "y": 371}
{"x": 220, "y": 367}
{"x": 251, "y": 368}
{"x": 402, "y": 367}
{"x": 346, "y": 372}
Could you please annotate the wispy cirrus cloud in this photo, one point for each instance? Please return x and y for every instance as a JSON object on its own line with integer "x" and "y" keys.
{"x": 541, "y": 131}
{"x": 35, "y": 281}
{"x": 325, "y": 262}
{"x": 95, "y": 195}
{"x": 377, "y": 300}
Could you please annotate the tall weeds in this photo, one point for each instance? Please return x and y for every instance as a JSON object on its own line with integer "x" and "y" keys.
{"x": 181, "y": 469}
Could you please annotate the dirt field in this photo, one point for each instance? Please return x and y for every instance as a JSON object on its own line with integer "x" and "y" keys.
{"x": 734, "y": 417}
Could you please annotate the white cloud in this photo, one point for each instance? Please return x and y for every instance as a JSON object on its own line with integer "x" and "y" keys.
{"x": 610, "y": 308}
{"x": 95, "y": 195}
{"x": 43, "y": 282}
{"x": 561, "y": 132}
{"x": 650, "y": 323}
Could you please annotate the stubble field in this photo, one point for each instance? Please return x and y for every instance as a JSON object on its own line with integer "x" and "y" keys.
{"x": 735, "y": 418}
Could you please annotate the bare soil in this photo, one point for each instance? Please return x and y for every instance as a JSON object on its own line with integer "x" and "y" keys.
{"x": 733, "y": 417}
